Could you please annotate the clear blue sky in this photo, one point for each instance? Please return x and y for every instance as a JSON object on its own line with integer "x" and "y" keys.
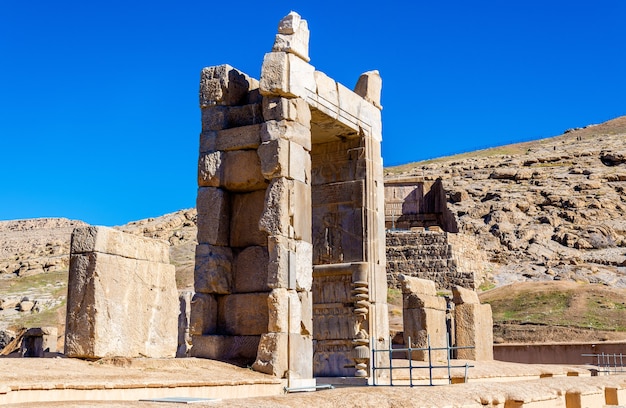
{"x": 99, "y": 116}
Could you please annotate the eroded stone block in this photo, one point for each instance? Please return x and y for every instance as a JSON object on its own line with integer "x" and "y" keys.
{"x": 113, "y": 242}
{"x": 250, "y": 273}
{"x": 244, "y": 314}
{"x": 287, "y": 209}
{"x": 296, "y": 42}
{"x": 277, "y": 108}
{"x": 290, "y": 263}
{"x": 213, "y": 207}
{"x": 213, "y": 270}
{"x": 237, "y": 349}
{"x": 285, "y": 74}
{"x": 462, "y": 295}
{"x": 272, "y": 356}
{"x": 326, "y": 88}
{"x": 422, "y": 324}
{"x": 300, "y": 356}
{"x": 241, "y": 171}
{"x": 282, "y": 158}
{"x": 245, "y": 215}
{"x": 333, "y": 358}
{"x": 223, "y": 85}
{"x": 239, "y": 138}
{"x": 120, "y": 306}
{"x": 369, "y": 87}
{"x": 203, "y": 319}
{"x": 473, "y": 325}
{"x": 288, "y": 130}
{"x": 210, "y": 169}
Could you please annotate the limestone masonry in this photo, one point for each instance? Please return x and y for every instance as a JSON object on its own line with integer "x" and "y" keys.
{"x": 290, "y": 262}
{"x": 122, "y": 298}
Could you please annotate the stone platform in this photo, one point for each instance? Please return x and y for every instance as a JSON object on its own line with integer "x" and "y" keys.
{"x": 121, "y": 382}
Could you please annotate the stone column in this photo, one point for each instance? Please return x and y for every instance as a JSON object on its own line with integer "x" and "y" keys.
{"x": 473, "y": 325}
{"x": 424, "y": 317}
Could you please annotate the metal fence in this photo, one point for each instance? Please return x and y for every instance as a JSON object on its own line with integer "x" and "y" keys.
{"x": 607, "y": 363}
{"x": 450, "y": 351}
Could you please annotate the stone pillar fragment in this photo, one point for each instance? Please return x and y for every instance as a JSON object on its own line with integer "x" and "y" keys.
{"x": 424, "y": 318}
{"x": 122, "y": 298}
{"x": 473, "y": 325}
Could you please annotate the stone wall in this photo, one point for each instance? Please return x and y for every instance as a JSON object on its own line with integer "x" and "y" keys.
{"x": 430, "y": 255}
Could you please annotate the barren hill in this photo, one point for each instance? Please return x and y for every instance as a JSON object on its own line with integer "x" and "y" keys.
{"x": 553, "y": 209}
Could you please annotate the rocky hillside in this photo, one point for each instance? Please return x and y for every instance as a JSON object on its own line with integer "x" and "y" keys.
{"x": 553, "y": 209}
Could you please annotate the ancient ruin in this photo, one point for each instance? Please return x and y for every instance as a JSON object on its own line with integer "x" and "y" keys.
{"x": 122, "y": 299}
{"x": 290, "y": 263}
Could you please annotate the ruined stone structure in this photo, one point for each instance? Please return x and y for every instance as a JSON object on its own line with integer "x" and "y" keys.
{"x": 38, "y": 341}
{"x": 412, "y": 202}
{"x": 121, "y": 297}
{"x": 290, "y": 263}
{"x": 434, "y": 255}
{"x": 473, "y": 325}
{"x": 426, "y": 317}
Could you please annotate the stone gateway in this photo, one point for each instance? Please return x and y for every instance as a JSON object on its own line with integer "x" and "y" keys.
{"x": 290, "y": 264}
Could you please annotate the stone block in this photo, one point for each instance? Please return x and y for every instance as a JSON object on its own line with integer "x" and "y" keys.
{"x": 203, "y": 319}
{"x": 38, "y": 341}
{"x": 300, "y": 356}
{"x": 272, "y": 355}
{"x": 306, "y": 313}
{"x": 113, "y": 242}
{"x": 237, "y": 349}
{"x": 419, "y": 325}
{"x": 296, "y": 110}
{"x": 250, "y": 271}
{"x": 239, "y": 138}
{"x": 461, "y": 295}
{"x": 285, "y": 74}
{"x": 284, "y": 129}
{"x": 223, "y": 85}
{"x": 473, "y": 326}
{"x": 420, "y": 301}
{"x": 349, "y": 102}
{"x": 208, "y": 140}
{"x": 327, "y": 90}
{"x": 244, "y": 223}
{"x": 282, "y": 158}
{"x": 279, "y": 310}
{"x": 416, "y": 285}
{"x": 118, "y": 306}
{"x": 184, "y": 323}
{"x": 241, "y": 171}
{"x": 369, "y": 87}
{"x": 290, "y": 263}
{"x": 213, "y": 205}
{"x": 213, "y": 269}
{"x": 244, "y": 314}
{"x": 293, "y": 36}
{"x": 287, "y": 209}
{"x": 226, "y": 117}
{"x": 333, "y": 358}
{"x": 210, "y": 169}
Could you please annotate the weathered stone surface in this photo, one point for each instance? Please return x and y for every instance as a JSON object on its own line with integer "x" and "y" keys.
{"x": 223, "y": 85}
{"x": 420, "y": 324}
{"x": 473, "y": 325}
{"x": 242, "y": 171}
{"x": 238, "y": 138}
{"x": 246, "y": 212}
{"x": 333, "y": 358}
{"x": 226, "y": 117}
{"x": 250, "y": 270}
{"x": 412, "y": 285}
{"x": 203, "y": 319}
{"x": 285, "y": 74}
{"x": 213, "y": 206}
{"x": 290, "y": 263}
{"x": 113, "y": 242}
{"x": 243, "y": 314}
{"x": 464, "y": 296}
{"x": 210, "y": 169}
{"x": 184, "y": 323}
{"x": 300, "y": 356}
{"x": 282, "y": 158}
{"x": 234, "y": 349}
{"x": 213, "y": 271}
{"x": 272, "y": 356}
{"x": 284, "y": 129}
{"x": 120, "y": 306}
{"x": 326, "y": 89}
{"x": 39, "y": 340}
{"x": 287, "y": 209}
{"x": 293, "y": 36}
{"x": 369, "y": 87}
{"x": 295, "y": 109}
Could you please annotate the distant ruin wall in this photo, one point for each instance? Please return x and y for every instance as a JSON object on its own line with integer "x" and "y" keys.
{"x": 432, "y": 255}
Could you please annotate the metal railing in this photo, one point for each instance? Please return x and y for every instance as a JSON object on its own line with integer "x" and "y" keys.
{"x": 390, "y": 367}
{"x": 608, "y": 363}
